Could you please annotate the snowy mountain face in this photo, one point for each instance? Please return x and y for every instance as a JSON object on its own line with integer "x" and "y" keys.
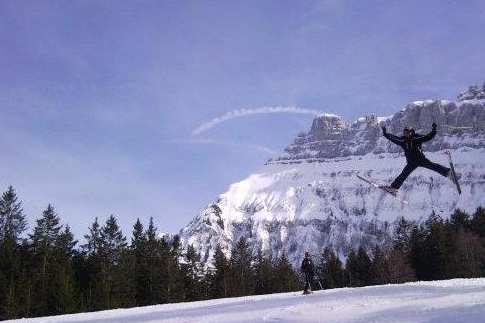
{"x": 309, "y": 197}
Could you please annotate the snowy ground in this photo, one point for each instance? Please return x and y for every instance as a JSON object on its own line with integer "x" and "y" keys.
{"x": 458, "y": 300}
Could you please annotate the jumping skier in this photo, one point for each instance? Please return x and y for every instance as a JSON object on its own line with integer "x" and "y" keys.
{"x": 307, "y": 269}
{"x": 411, "y": 143}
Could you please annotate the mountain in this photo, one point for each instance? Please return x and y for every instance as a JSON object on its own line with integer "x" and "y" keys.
{"x": 309, "y": 197}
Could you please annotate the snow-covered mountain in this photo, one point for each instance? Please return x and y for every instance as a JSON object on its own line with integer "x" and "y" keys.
{"x": 309, "y": 197}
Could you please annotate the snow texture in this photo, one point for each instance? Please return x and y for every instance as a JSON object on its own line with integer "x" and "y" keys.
{"x": 458, "y": 300}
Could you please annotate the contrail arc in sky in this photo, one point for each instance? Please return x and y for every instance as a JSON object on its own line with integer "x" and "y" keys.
{"x": 246, "y": 112}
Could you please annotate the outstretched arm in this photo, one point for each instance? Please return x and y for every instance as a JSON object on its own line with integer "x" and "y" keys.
{"x": 391, "y": 138}
{"x": 429, "y": 136}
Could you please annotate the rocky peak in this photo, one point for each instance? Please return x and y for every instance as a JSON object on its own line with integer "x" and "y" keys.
{"x": 327, "y": 125}
{"x": 474, "y": 92}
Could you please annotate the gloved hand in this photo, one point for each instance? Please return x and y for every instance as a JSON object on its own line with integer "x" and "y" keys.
{"x": 384, "y": 130}
{"x": 434, "y": 125}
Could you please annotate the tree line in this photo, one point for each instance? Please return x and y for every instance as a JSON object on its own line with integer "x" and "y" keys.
{"x": 48, "y": 272}
{"x": 433, "y": 250}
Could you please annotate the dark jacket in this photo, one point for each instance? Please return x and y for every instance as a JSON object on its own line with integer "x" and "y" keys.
{"x": 307, "y": 265}
{"x": 411, "y": 146}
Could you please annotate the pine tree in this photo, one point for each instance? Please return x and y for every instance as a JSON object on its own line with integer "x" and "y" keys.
{"x": 402, "y": 235}
{"x": 160, "y": 273}
{"x": 12, "y": 225}
{"x": 358, "y": 268}
{"x": 93, "y": 238}
{"x": 380, "y": 268}
{"x": 138, "y": 250}
{"x": 112, "y": 240}
{"x": 477, "y": 225}
{"x": 400, "y": 269}
{"x": 330, "y": 269}
{"x": 43, "y": 245}
{"x": 242, "y": 282}
{"x": 478, "y": 222}
{"x": 440, "y": 249}
{"x": 9, "y": 276}
{"x": 157, "y": 254}
{"x": 417, "y": 252}
{"x": 460, "y": 220}
{"x": 138, "y": 241}
{"x": 193, "y": 272}
{"x": 430, "y": 251}
{"x": 467, "y": 255}
{"x": 66, "y": 292}
{"x": 264, "y": 274}
{"x": 46, "y": 232}
{"x": 175, "y": 287}
{"x": 286, "y": 278}
{"x": 219, "y": 275}
{"x": 124, "y": 285}
{"x": 12, "y": 218}
{"x": 21, "y": 304}
{"x": 112, "y": 248}
{"x": 89, "y": 274}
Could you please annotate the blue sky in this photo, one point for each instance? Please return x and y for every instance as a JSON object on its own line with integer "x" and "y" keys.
{"x": 99, "y": 99}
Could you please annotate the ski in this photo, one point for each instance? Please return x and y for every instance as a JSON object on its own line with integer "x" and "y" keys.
{"x": 371, "y": 182}
{"x": 458, "y": 127}
{"x": 453, "y": 173}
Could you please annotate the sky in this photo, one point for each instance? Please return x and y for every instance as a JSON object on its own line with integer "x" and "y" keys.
{"x": 140, "y": 108}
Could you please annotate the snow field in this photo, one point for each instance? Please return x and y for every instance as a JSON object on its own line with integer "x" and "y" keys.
{"x": 457, "y": 300}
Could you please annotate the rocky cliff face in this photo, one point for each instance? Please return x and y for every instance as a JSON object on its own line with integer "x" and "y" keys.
{"x": 460, "y": 123}
{"x": 309, "y": 197}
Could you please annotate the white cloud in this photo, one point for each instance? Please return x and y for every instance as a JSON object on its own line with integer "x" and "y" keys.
{"x": 247, "y": 112}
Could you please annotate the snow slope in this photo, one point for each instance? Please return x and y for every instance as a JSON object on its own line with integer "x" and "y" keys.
{"x": 458, "y": 300}
{"x": 309, "y": 206}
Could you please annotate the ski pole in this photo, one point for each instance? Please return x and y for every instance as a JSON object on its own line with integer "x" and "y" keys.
{"x": 318, "y": 280}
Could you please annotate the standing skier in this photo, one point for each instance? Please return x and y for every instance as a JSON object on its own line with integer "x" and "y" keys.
{"x": 411, "y": 143}
{"x": 307, "y": 269}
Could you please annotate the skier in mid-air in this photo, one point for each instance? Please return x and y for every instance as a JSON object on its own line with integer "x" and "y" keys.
{"x": 411, "y": 143}
{"x": 307, "y": 269}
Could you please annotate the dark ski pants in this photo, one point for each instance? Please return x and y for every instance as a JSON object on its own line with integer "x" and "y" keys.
{"x": 410, "y": 167}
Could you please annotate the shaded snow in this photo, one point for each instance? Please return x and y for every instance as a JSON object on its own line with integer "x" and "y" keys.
{"x": 458, "y": 300}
